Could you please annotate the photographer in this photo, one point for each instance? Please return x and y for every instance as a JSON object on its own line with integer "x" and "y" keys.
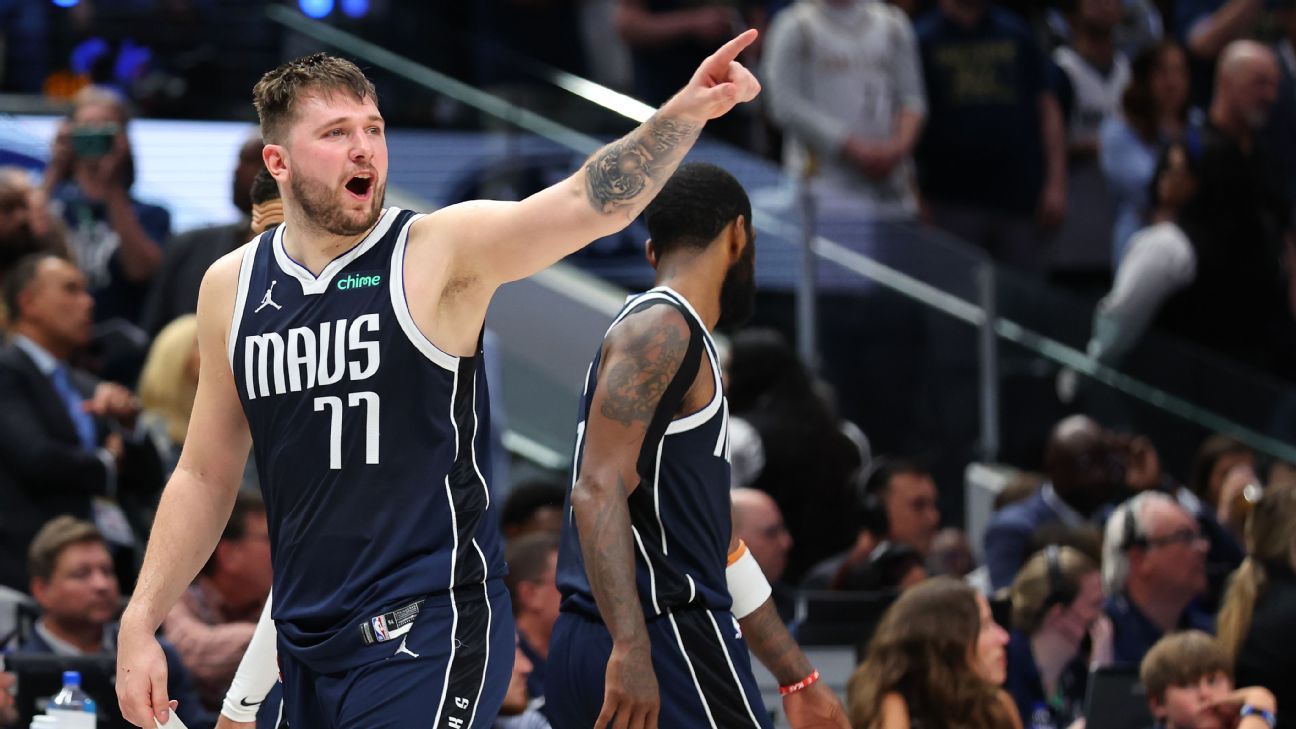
{"x": 116, "y": 240}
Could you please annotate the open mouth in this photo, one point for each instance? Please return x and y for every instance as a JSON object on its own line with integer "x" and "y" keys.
{"x": 360, "y": 186}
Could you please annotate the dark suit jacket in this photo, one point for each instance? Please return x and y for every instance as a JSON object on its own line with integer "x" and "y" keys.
{"x": 1008, "y": 536}
{"x": 44, "y": 470}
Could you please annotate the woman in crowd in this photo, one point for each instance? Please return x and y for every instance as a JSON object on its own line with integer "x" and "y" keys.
{"x": 936, "y": 662}
{"x": 167, "y": 387}
{"x": 1221, "y": 472}
{"x": 1057, "y": 601}
{"x": 1256, "y": 626}
{"x": 1154, "y": 111}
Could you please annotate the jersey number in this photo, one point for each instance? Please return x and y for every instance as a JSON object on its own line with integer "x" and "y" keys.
{"x": 334, "y": 404}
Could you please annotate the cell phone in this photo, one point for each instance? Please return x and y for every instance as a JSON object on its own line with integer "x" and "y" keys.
{"x": 93, "y": 140}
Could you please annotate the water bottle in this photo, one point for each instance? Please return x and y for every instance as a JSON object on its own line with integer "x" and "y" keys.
{"x": 73, "y": 708}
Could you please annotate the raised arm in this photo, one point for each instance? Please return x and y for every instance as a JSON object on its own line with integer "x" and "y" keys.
{"x": 194, "y": 507}
{"x": 493, "y": 242}
{"x": 641, "y": 357}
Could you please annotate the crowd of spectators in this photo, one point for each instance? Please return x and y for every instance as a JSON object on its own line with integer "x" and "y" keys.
{"x": 1152, "y": 144}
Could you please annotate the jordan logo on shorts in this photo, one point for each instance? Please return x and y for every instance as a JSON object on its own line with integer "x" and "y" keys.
{"x": 266, "y": 300}
{"x": 403, "y": 649}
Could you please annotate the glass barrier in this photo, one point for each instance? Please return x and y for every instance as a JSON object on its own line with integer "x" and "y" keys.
{"x": 929, "y": 347}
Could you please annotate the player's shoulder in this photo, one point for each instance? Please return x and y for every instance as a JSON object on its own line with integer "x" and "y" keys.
{"x": 220, "y": 282}
{"x": 649, "y": 320}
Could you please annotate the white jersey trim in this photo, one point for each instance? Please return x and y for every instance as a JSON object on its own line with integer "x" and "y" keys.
{"x": 313, "y": 285}
{"x": 401, "y": 306}
{"x": 240, "y": 296}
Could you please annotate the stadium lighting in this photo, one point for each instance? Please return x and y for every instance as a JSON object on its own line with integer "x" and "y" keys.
{"x": 66, "y": 3}
{"x": 355, "y": 8}
{"x": 315, "y": 8}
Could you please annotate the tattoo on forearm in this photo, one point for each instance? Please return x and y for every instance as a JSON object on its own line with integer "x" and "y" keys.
{"x": 773, "y": 645}
{"x": 607, "y": 543}
{"x": 636, "y": 383}
{"x": 620, "y": 174}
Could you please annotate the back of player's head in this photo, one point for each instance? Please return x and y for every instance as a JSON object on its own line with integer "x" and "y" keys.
{"x": 694, "y": 206}
{"x": 264, "y": 188}
{"x": 277, "y": 93}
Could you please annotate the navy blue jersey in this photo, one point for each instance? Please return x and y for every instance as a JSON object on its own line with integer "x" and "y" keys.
{"x": 371, "y": 444}
{"x": 680, "y": 510}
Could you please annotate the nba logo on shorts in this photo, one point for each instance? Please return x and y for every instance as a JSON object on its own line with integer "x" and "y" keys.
{"x": 380, "y": 628}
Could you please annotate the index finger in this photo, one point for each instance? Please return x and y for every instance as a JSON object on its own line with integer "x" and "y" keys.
{"x": 730, "y": 50}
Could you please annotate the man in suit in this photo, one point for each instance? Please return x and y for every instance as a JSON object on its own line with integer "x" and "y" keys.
{"x": 1088, "y": 468}
{"x": 66, "y": 440}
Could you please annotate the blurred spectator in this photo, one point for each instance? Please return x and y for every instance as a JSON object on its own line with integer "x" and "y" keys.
{"x": 533, "y": 564}
{"x": 890, "y": 566}
{"x": 67, "y": 444}
{"x": 951, "y": 554}
{"x": 1206, "y": 28}
{"x": 8, "y": 711}
{"x": 1280, "y": 132}
{"x": 267, "y": 207}
{"x": 167, "y": 387}
{"x": 809, "y": 460}
{"x": 1141, "y": 27}
{"x": 213, "y": 622}
{"x": 896, "y": 504}
{"x": 1086, "y": 466}
{"x": 1154, "y": 569}
{"x": 1153, "y": 111}
{"x": 26, "y": 225}
{"x": 758, "y": 522}
{"x": 1094, "y": 74}
{"x": 1256, "y": 627}
{"x": 842, "y": 79}
{"x": 1158, "y": 262}
{"x": 1237, "y": 299}
{"x": 668, "y": 40}
{"x": 116, "y": 239}
{"x": 1221, "y": 470}
{"x": 1189, "y": 685}
{"x": 1057, "y": 602}
{"x": 533, "y": 506}
{"x": 74, "y": 581}
{"x": 175, "y": 289}
{"x": 936, "y": 660}
{"x": 517, "y": 711}
{"x": 992, "y": 161}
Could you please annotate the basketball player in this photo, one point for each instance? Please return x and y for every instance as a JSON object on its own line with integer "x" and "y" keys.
{"x": 653, "y": 614}
{"x": 345, "y": 347}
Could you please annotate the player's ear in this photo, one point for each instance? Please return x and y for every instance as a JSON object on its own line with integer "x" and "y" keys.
{"x": 650, "y": 253}
{"x": 275, "y": 157}
{"x": 736, "y": 237}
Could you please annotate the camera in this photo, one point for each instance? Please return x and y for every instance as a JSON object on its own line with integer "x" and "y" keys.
{"x": 93, "y": 140}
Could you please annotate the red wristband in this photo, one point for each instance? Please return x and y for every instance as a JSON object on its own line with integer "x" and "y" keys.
{"x": 804, "y": 683}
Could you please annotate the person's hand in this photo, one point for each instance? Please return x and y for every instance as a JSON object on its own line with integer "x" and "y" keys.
{"x": 1052, "y": 206}
{"x": 718, "y": 85}
{"x": 8, "y": 712}
{"x": 110, "y": 170}
{"x": 1235, "y": 482}
{"x": 1102, "y": 645}
{"x": 224, "y": 722}
{"x": 714, "y": 23}
{"x": 116, "y": 447}
{"x": 1226, "y": 707}
{"x": 877, "y": 160}
{"x": 113, "y": 401}
{"x": 815, "y": 707}
{"x": 1143, "y": 469}
{"x": 142, "y": 678}
{"x": 62, "y": 154}
{"x": 630, "y": 690}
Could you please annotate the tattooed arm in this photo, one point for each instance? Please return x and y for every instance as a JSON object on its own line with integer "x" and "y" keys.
{"x": 768, "y": 638}
{"x": 492, "y": 242}
{"x": 641, "y": 357}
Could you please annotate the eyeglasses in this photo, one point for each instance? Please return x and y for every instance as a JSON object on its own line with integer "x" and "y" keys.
{"x": 1186, "y": 537}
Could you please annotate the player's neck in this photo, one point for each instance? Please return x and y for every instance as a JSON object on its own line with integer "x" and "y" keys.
{"x": 698, "y": 279}
{"x": 309, "y": 244}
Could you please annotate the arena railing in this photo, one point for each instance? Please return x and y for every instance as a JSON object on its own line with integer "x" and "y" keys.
{"x": 1018, "y": 323}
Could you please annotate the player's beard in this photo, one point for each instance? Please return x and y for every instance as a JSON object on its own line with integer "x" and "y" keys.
{"x": 738, "y": 292}
{"x": 319, "y": 202}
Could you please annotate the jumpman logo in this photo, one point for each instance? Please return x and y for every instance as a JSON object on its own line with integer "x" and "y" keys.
{"x": 266, "y": 300}
{"x": 404, "y": 649}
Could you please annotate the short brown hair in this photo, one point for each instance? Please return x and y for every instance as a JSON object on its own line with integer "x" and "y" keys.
{"x": 527, "y": 557}
{"x": 57, "y": 535}
{"x": 276, "y": 94}
{"x": 1036, "y": 588}
{"x": 1180, "y": 659}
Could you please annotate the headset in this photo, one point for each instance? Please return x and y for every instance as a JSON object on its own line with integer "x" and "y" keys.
{"x": 1130, "y": 537}
{"x": 1060, "y": 592}
{"x": 870, "y": 507}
